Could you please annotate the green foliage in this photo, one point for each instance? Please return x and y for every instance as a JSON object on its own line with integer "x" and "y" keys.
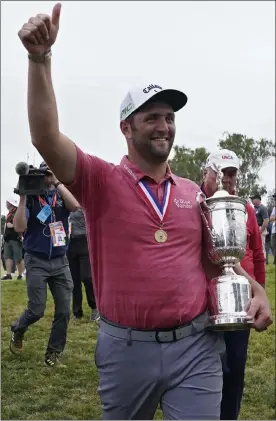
{"x": 188, "y": 163}
{"x": 254, "y": 154}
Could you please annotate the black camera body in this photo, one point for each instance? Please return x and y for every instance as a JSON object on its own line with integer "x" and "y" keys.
{"x": 32, "y": 183}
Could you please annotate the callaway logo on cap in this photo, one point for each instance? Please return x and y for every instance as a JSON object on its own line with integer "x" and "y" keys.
{"x": 223, "y": 158}
{"x": 137, "y": 97}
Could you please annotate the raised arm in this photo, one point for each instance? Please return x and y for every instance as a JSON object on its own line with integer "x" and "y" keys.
{"x": 38, "y": 35}
{"x": 20, "y": 217}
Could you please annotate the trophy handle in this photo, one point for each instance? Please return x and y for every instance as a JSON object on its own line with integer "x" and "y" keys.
{"x": 201, "y": 199}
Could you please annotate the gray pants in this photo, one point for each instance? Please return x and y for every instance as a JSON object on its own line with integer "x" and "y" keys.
{"x": 184, "y": 377}
{"x": 56, "y": 273}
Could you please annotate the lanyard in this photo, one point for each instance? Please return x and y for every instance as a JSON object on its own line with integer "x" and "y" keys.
{"x": 44, "y": 202}
{"x": 10, "y": 215}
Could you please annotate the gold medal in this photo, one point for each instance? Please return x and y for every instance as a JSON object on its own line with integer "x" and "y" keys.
{"x": 161, "y": 236}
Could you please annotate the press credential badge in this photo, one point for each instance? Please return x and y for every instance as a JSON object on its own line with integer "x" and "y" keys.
{"x": 58, "y": 234}
{"x": 44, "y": 213}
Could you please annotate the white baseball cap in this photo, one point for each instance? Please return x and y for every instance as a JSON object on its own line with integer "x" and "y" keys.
{"x": 13, "y": 201}
{"x": 137, "y": 97}
{"x": 223, "y": 158}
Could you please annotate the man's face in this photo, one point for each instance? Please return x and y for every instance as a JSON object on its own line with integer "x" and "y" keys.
{"x": 151, "y": 132}
{"x": 9, "y": 206}
{"x": 48, "y": 179}
{"x": 228, "y": 181}
{"x": 256, "y": 202}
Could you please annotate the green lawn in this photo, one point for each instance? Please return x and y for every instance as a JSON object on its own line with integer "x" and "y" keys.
{"x": 32, "y": 392}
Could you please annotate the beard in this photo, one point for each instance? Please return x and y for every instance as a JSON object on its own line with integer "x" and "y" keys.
{"x": 153, "y": 151}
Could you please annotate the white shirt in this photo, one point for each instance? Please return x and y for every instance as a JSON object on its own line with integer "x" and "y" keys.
{"x": 273, "y": 229}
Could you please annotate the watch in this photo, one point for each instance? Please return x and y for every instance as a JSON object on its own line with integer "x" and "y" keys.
{"x": 57, "y": 184}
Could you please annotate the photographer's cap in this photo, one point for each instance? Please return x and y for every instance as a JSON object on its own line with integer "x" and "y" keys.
{"x": 13, "y": 201}
{"x": 223, "y": 158}
{"x": 137, "y": 97}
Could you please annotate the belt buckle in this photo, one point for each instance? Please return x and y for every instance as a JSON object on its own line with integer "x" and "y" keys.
{"x": 171, "y": 336}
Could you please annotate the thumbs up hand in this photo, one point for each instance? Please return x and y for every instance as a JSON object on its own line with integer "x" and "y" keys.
{"x": 40, "y": 32}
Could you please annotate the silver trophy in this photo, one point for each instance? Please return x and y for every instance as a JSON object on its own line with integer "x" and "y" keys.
{"x": 229, "y": 294}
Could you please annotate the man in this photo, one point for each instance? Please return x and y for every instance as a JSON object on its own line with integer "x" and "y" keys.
{"x": 261, "y": 215}
{"x": 145, "y": 242}
{"x": 253, "y": 263}
{"x": 45, "y": 222}
{"x": 12, "y": 243}
{"x": 3, "y": 260}
{"x": 79, "y": 263}
{"x": 273, "y": 230}
{"x": 268, "y": 242}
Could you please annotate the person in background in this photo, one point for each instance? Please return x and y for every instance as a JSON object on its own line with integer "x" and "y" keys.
{"x": 268, "y": 242}
{"x": 261, "y": 215}
{"x": 45, "y": 222}
{"x": 273, "y": 230}
{"x": 79, "y": 263}
{"x": 12, "y": 243}
{"x": 253, "y": 263}
{"x": 2, "y": 257}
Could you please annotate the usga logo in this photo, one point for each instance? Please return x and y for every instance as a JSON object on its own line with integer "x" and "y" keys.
{"x": 227, "y": 157}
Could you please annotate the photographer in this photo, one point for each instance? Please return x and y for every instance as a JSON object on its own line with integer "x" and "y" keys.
{"x": 44, "y": 219}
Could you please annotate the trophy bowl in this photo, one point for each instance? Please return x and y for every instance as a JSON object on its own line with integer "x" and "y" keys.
{"x": 229, "y": 294}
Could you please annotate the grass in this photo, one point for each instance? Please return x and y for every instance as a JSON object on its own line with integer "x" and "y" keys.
{"x": 32, "y": 392}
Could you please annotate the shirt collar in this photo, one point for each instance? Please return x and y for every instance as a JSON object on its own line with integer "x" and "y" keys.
{"x": 137, "y": 175}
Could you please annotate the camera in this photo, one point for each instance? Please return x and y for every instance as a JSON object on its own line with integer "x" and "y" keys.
{"x": 31, "y": 179}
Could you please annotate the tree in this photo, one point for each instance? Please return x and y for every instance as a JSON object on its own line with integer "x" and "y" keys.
{"x": 189, "y": 163}
{"x": 254, "y": 154}
{"x": 3, "y": 223}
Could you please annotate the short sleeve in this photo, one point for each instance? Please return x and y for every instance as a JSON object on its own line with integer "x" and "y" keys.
{"x": 91, "y": 175}
{"x": 264, "y": 212}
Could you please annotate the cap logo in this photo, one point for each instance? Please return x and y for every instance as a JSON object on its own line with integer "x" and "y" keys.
{"x": 150, "y": 87}
{"x": 227, "y": 157}
{"x": 125, "y": 111}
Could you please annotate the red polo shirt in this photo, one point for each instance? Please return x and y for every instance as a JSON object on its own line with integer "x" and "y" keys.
{"x": 254, "y": 260}
{"x": 139, "y": 282}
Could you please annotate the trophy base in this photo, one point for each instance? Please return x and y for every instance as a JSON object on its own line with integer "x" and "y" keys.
{"x": 229, "y": 299}
{"x": 230, "y": 322}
